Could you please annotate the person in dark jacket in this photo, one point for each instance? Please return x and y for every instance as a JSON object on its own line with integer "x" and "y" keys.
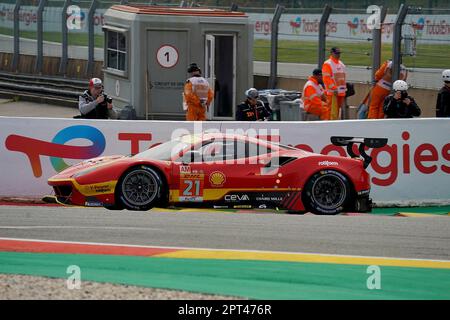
{"x": 94, "y": 104}
{"x": 443, "y": 98}
{"x": 252, "y": 109}
{"x": 400, "y": 104}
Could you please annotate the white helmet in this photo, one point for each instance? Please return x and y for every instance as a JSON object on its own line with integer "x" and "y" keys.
{"x": 446, "y": 75}
{"x": 400, "y": 85}
{"x": 252, "y": 93}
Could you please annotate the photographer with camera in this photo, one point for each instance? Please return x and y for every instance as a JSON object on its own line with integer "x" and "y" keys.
{"x": 400, "y": 104}
{"x": 94, "y": 103}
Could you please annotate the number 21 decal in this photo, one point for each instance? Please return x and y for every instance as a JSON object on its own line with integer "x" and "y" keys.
{"x": 189, "y": 184}
{"x": 191, "y": 187}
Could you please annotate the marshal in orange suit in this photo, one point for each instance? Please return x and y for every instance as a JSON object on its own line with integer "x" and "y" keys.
{"x": 313, "y": 95}
{"x": 197, "y": 95}
{"x": 382, "y": 89}
{"x": 334, "y": 78}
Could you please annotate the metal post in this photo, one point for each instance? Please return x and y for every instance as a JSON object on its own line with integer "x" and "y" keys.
{"x": 64, "y": 40}
{"x": 377, "y": 42}
{"x": 15, "y": 62}
{"x": 274, "y": 47}
{"x": 397, "y": 42}
{"x": 40, "y": 37}
{"x": 323, "y": 34}
{"x": 91, "y": 38}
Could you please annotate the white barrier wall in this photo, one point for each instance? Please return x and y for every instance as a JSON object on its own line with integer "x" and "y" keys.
{"x": 414, "y": 168}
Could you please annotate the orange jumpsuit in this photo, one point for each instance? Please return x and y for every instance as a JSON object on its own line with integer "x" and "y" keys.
{"x": 312, "y": 99}
{"x": 197, "y": 97}
{"x": 334, "y": 78}
{"x": 382, "y": 89}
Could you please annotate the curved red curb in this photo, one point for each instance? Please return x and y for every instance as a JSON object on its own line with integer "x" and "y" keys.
{"x": 75, "y": 248}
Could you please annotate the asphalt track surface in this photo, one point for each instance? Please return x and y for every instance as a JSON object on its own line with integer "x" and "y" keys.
{"x": 368, "y": 235}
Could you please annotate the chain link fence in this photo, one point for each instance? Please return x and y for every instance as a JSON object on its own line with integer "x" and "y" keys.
{"x": 425, "y": 54}
{"x": 426, "y": 45}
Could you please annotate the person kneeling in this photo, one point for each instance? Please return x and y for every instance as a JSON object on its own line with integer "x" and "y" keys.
{"x": 314, "y": 98}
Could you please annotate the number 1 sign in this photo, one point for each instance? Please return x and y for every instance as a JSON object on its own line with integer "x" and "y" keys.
{"x": 167, "y": 56}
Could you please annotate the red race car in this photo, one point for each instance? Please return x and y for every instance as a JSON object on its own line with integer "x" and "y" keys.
{"x": 223, "y": 171}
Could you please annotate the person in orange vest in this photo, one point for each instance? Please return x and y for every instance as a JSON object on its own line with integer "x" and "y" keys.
{"x": 314, "y": 98}
{"x": 334, "y": 78}
{"x": 382, "y": 88}
{"x": 197, "y": 95}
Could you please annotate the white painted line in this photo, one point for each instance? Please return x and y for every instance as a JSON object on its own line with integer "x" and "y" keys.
{"x": 74, "y": 227}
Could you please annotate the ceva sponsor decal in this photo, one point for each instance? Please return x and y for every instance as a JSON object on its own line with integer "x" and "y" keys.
{"x": 236, "y": 197}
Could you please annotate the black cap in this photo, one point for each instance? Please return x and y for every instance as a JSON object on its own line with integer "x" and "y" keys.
{"x": 317, "y": 72}
{"x": 193, "y": 67}
{"x": 335, "y": 50}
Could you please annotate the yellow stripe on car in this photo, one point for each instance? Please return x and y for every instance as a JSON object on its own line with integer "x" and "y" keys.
{"x": 94, "y": 189}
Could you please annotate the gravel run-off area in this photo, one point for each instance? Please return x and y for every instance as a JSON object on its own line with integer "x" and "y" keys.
{"x": 24, "y": 287}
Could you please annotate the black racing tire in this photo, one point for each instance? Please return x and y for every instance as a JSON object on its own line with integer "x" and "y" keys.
{"x": 327, "y": 192}
{"x": 140, "y": 189}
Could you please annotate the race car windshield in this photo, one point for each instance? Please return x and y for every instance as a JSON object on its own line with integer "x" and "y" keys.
{"x": 282, "y": 146}
{"x": 164, "y": 151}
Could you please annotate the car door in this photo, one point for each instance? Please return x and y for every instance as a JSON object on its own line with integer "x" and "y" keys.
{"x": 225, "y": 170}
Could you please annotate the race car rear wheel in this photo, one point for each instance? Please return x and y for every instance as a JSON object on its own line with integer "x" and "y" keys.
{"x": 140, "y": 188}
{"x": 327, "y": 192}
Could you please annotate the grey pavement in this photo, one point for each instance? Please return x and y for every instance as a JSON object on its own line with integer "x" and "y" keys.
{"x": 377, "y": 236}
{"x": 11, "y": 108}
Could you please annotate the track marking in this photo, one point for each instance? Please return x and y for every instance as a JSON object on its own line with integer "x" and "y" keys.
{"x": 419, "y": 215}
{"x": 75, "y": 227}
{"x": 37, "y": 246}
{"x": 14, "y": 244}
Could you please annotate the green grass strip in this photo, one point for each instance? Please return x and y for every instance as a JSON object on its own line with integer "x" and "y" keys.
{"x": 438, "y": 210}
{"x": 74, "y": 39}
{"x": 295, "y": 51}
{"x": 354, "y": 54}
{"x": 249, "y": 279}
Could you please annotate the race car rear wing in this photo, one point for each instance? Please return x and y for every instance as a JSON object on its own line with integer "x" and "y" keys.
{"x": 363, "y": 142}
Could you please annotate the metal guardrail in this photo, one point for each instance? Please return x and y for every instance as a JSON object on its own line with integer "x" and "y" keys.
{"x": 61, "y": 91}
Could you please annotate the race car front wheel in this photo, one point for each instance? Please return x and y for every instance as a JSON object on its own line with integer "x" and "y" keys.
{"x": 140, "y": 188}
{"x": 327, "y": 192}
